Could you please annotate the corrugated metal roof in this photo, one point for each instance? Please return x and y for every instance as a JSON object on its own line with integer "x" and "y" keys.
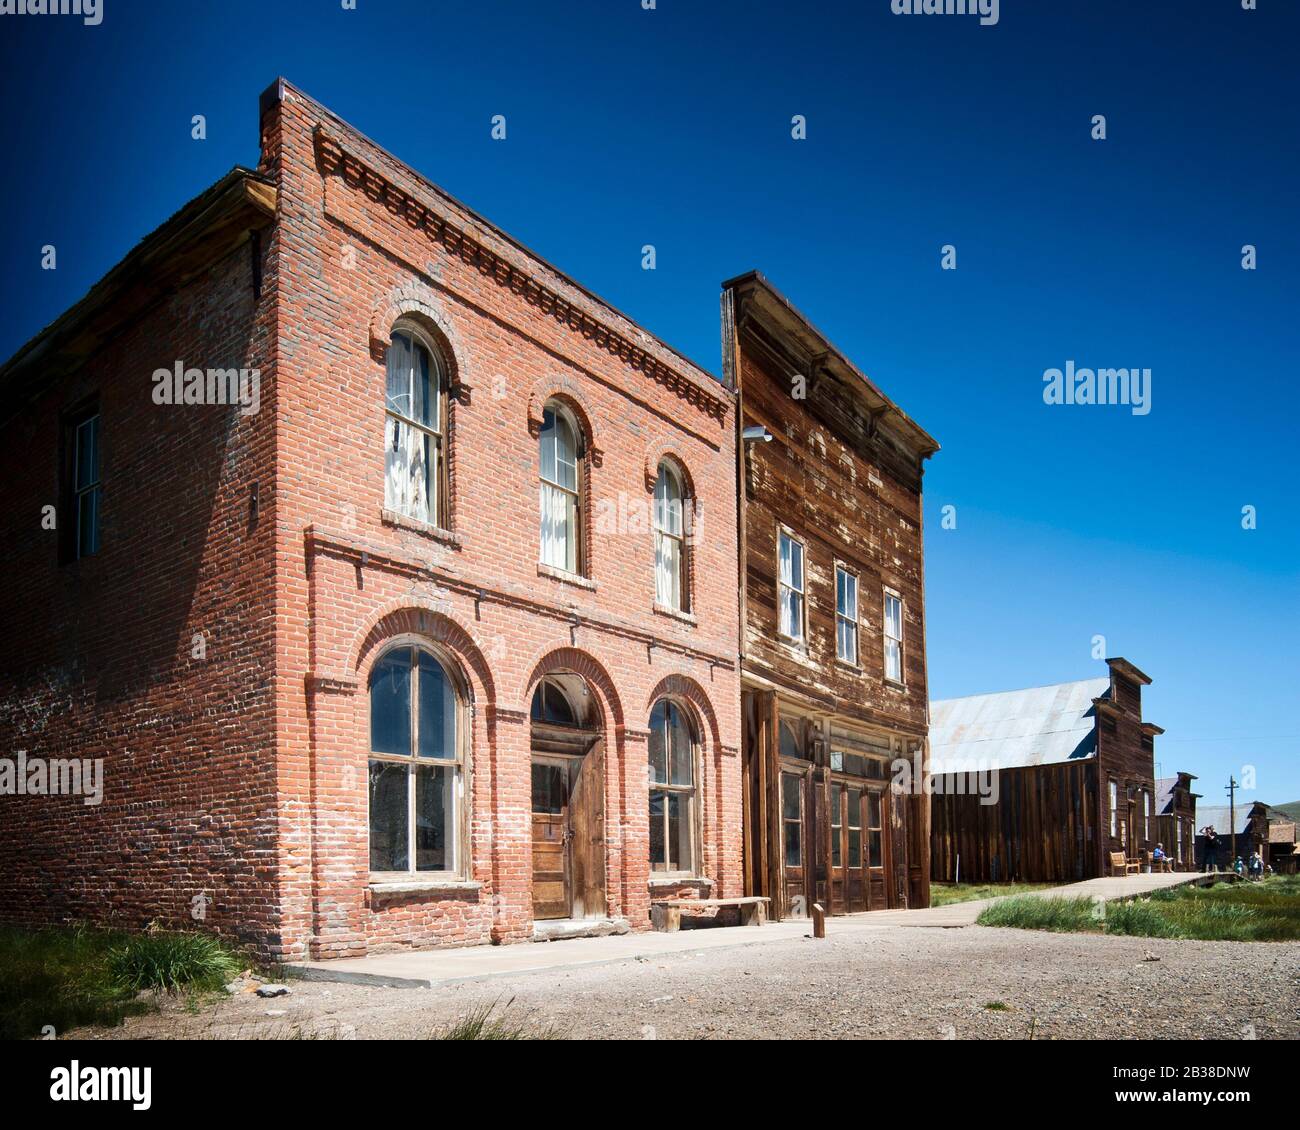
{"x": 1165, "y": 795}
{"x": 1038, "y": 726}
{"x": 1219, "y": 817}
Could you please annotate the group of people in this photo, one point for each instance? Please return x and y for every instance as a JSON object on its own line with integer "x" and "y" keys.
{"x": 1253, "y": 868}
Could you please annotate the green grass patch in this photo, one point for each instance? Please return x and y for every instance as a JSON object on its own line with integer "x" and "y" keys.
{"x": 172, "y": 962}
{"x": 481, "y": 1024}
{"x": 55, "y": 979}
{"x": 1267, "y": 911}
{"x": 944, "y": 894}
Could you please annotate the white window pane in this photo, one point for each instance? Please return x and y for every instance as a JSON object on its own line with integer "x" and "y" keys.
{"x": 796, "y": 565}
{"x": 668, "y": 571}
{"x": 893, "y": 660}
{"x": 558, "y": 514}
{"x": 399, "y": 375}
{"x": 424, "y": 406}
{"x": 408, "y": 470}
{"x": 851, "y": 596}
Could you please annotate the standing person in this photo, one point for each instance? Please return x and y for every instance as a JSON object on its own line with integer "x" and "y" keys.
{"x": 1256, "y": 865}
{"x": 1211, "y": 851}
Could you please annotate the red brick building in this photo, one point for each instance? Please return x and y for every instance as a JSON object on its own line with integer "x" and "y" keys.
{"x": 428, "y": 639}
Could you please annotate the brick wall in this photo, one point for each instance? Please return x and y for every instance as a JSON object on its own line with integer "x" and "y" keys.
{"x": 155, "y": 654}
{"x": 245, "y": 776}
{"x": 363, "y": 241}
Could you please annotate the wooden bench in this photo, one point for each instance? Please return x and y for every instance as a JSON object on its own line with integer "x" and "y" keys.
{"x": 1121, "y": 866}
{"x": 666, "y": 914}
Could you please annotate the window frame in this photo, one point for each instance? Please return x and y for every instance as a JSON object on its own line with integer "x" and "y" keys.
{"x": 784, "y": 532}
{"x": 440, "y": 481}
{"x": 458, "y": 828}
{"x": 887, "y": 595}
{"x": 668, "y": 468}
{"x": 560, "y": 410}
{"x": 691, "y": 792}
{"x": 70, "y": 540}
{"x": 855, "y": 620}
{"x": 1112, "y": 795}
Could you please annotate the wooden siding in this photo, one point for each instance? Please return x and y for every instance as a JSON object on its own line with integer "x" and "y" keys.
{"x": 1043, "y": 827}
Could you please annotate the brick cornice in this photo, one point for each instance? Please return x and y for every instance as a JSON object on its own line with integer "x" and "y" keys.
{"x": 337, "y": 159}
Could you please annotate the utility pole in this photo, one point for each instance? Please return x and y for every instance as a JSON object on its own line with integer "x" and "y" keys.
{"x": 1231, "y": 790}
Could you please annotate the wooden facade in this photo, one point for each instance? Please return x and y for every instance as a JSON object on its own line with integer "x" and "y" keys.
{"x": 1074, "y": 783}
{"x": 1176, "y": 820}
{"x": 832, "y": 698}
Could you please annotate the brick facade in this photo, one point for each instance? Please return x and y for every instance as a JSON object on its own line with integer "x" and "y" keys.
{"x": 242, "y": 777}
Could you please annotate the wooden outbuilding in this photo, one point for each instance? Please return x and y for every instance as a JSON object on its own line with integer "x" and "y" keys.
{"x": 1045, "y": 784}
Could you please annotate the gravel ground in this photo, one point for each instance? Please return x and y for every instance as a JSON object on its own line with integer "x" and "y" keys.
{"x": 891, "y": 982}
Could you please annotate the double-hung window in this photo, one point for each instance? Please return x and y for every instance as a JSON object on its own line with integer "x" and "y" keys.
{"x": 790, "y": 586}
{"x": 415, "y": 764}
{"x": 846, "y": 615}
{"x": 893, "y": 637}
{"x": 672, "y": 789}
{"x": 414, "y": 461}
{"x": 559, "y": 496}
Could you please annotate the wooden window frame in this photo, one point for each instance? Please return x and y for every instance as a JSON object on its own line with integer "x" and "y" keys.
{"x": 670, "y": 468}
{"x": 691, "y": 791}
{"x": 885, "y": 637}
{"x": 70, "y": 538}
{"x": 802, "y": 638}
{"x": 459, "y": 765}
{"x": 579, "y": 493}
{"x": 440, "y": 511}
{"x": 855, "y": 619}
{"x": 1112, "y": 795}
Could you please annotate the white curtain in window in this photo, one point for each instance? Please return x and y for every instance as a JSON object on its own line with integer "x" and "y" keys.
{"x": 408, "y": 470}
{"x": 559, "y": 545}
{"x": 410, "y": 454}
{"x": 894, "y": 638}
{"x": 791, "y": 576}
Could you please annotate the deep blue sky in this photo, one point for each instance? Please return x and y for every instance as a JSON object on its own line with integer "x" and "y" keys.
{"x": 672, "y": 127}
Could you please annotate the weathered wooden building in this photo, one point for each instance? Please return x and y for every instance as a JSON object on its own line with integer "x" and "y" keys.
{"x": 1176, "y": 819}
{"x": 1042, "y": 784}
{"x": 832, "y": 617}
{"x": 1259, "y": 828}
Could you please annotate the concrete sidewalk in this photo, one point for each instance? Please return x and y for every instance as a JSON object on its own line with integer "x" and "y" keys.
{"x": 427, "y": 968}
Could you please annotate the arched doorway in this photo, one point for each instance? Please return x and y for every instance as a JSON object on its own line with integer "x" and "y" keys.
{"x": 568, "y": 800}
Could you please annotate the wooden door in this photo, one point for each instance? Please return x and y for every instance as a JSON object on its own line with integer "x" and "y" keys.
{"x": 848, "y": 815}
{"x": 795, "y": 845}
{"x": 587, "y": 837}
{"x": 550, "y": 839}
{"x": 877, "y": 848}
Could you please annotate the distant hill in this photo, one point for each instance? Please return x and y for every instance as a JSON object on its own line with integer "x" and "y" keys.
{"x": 1292, "y": 809}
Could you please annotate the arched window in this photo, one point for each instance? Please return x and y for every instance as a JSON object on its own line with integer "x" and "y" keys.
{"x": 415, "y": 763}
{"x": 415, "y": 462}
{"x": 551, "y": 704}
{"x": 672, "y": 789}
{"x": 561, "y": 490}
{"x": 670, "y": 539}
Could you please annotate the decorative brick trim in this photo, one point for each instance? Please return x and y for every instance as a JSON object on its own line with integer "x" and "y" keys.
{"x": 332, "y": 682}
{"x": 336, "y": 159}
{"x": 417, "y": 300}
{"x": 572, "y": 659}
{"x": 655, "y": 454}
{"x": 569, "y": 393}
{"x": 686, "y": 689}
